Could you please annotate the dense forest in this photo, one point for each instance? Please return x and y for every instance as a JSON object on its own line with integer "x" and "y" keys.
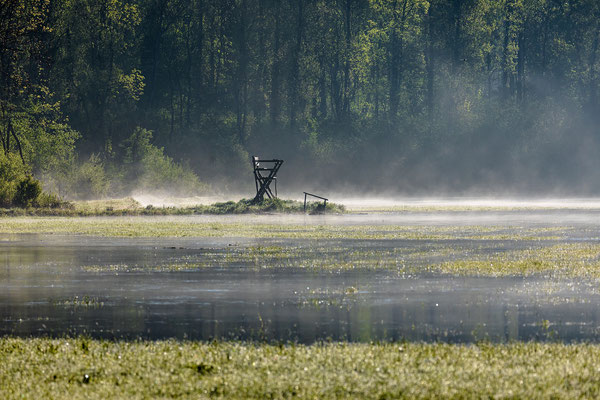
{"x": 105, "y": 97}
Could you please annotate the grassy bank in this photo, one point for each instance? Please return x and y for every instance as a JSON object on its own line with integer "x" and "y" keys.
{"x": 130, "y": 207}
{"x": 83, "y": 368}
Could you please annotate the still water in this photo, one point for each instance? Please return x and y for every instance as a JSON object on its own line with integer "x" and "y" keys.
{"x": 53, "y": 285}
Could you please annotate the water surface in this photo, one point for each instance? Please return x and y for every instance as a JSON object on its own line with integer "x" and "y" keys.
{"x": 52, "y": 285}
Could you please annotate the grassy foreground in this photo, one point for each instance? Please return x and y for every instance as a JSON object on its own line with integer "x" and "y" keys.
{"x": 83, "y": 368}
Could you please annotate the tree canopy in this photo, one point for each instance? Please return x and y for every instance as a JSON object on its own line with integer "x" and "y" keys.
{"x": 401, "y": 95}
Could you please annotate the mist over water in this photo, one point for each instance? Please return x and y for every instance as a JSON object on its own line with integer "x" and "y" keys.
{"x": 46, "y": 280}
{"x": 470, "y": 202}
{"x": 374, "y": 202}
{"x": 161, "y": 199}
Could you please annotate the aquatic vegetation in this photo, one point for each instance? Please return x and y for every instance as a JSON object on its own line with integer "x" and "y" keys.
{"x": 447, "y": 249}
{"x": 567, "y": 260}
{"x": 84, "y": 301}
{"x": 562, "y": 260}
{"x": 86, "y": 368}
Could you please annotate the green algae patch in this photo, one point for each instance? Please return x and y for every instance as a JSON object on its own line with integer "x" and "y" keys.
{"x": 92, "y": 369}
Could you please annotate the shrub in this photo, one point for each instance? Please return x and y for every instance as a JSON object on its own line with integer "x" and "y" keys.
{"x": 12, "y": 171}
{"x": 89, "y": 179}
{"x": 148, "y": 168}
{"x": 49, "y": 200}
{"x": 28, "y": 190}
{"x": 7, "y": 193}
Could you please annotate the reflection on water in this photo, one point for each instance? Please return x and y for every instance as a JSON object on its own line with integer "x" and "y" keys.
{"x": 46, "y": 289}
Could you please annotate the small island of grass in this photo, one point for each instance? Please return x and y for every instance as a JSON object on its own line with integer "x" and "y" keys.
{"x": 131, "y": 207}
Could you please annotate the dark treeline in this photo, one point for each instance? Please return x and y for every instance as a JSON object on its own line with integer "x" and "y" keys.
{"x": 395, "y": 95}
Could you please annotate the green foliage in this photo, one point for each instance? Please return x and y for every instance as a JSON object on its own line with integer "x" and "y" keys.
{"x": 27, "y": 191}
{"x": 149, "y": 169}
{"x": 12, "y": 171}
{"x": 276, "y": 205}
{"x": 94, "y": 72}
{"x": 132, "y": 85}
{"x": 50, "y": 200}
{"x": 46, "y": 139}
{"x": 89, "y": 179}
{"x": 19, "y": 188}
{"x": 138, "y": 165}
{"x": 404, "y": 86}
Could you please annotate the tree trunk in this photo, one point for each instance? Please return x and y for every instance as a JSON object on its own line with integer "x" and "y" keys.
{"x": 505, "y": 60}
{"x": 429, "y": 64}
{"x": 456, "y": 45}
{"x": 395, "y": 60}
{"x": 295, "y": 67}
{"x": 348, "y": 44}
{"x": 520, "y": 69}
{"x": 241, "y": 82}
{"x": 275, "y": 101}
{"x": 593, "y": 76}
{"x": 199, "y": 90}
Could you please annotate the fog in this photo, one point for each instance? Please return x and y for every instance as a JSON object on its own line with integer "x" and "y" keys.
{"x": 372, "y": 203}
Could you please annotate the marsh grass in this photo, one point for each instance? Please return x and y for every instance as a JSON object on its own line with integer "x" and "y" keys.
{"x": 561, "y": 261}
{"x": 83, "y": 301}
{"x": 566, "y": 260}
{"x": 84, "y": 368}
{"x": 443, "y": 244}
{"x": 184, "y": 227}
{"x": 100, "y": 206}
{"x": 130, "y": 207}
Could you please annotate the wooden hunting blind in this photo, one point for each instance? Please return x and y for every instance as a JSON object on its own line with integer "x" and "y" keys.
{"x": 265, "y": 172}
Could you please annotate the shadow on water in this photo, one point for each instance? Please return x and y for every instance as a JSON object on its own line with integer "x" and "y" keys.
{"x": 49, "y": 288}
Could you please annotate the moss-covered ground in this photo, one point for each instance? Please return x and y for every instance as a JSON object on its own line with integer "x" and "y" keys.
{"x": 91, "y": 369}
